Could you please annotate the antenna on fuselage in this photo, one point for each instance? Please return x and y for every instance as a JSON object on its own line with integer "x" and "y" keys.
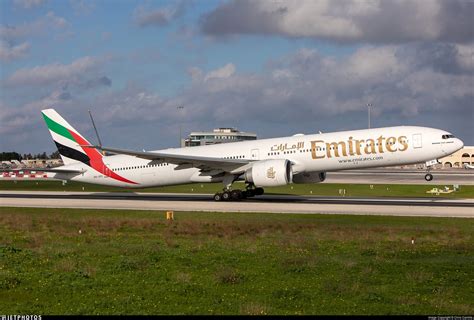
{"x": 96, "y": 132}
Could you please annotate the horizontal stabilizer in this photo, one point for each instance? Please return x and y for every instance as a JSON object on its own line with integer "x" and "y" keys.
{"x": 52, "y": 170}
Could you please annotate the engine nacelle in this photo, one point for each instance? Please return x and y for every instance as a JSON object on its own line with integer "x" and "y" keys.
{"x": 309, "y": 177}
{"x": 270, "y": 173}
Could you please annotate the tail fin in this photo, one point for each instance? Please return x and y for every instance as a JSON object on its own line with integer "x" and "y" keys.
{"x": 68, "y": 140}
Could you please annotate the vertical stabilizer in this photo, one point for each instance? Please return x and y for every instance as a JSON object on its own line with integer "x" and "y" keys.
{"x": 68, "y": 140}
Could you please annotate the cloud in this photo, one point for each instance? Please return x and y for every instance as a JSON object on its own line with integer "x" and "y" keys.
{"x": 145, "y": 17}
{"x": 16, "y": 119}
{"x": 131, "y": 102}
{"x": 308, "y": 85}
{"x": 53, "y": 73}
{"x": 28, "y": 4}
{"x": 304, "y": 91}
{"x": 443, "y": 57}
{"x": 10, "y": 52}
{"x": 55, "y": 20}
{"x": 195, "y": 73}
{"x": 82, "y": 6}
{"x": 465, "y": 57}
{"x": 15, "y": 32}
{"x": 225, "y": 72}
{"x": 383, "y": 21}
{"x": 41, "y": 25}
{"x": 96, "y": 83}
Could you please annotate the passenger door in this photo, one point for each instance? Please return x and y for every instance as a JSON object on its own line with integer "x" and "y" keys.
{"x": 255, "y": 154}
{"x": 417, "y": 142}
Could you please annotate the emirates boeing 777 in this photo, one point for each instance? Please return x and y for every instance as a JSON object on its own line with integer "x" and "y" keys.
{"x": 260, "y": 163}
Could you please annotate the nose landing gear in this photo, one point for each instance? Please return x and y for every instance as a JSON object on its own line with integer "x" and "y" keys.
{"x": 429, "y": 166}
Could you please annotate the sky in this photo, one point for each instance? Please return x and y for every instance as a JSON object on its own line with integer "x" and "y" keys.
{"x": 275, "y": 68}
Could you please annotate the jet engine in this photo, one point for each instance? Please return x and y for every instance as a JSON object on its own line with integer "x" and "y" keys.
{"x": 269, "y": 173}
{"x": 309, "y": 177}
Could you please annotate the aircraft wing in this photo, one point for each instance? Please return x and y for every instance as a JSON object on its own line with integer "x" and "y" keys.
{"x": 185, "y": 161}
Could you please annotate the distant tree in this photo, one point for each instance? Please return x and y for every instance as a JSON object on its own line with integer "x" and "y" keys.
{"x": 54, "y": 155}
{"x": 40, "y": 156}
{"x": 7, "y": 156}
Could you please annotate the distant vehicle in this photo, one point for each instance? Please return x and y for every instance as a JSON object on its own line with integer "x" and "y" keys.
{"x": 6, "y": 164}
{"x": 16, "y": 162}
{"x": 259, "y": 163}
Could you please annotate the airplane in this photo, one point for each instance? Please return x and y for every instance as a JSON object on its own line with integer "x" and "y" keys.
{"x": 259, "y": 163}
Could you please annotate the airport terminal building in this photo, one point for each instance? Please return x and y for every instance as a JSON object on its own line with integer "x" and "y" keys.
{"x": 459, "y": 158}
{"x": 219, "y": 135}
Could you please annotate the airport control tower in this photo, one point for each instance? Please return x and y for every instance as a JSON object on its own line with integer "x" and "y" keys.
{"x": 219, "y": 135}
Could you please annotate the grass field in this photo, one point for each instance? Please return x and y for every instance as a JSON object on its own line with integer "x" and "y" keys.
{"x": 135, "y": 262}
{"x": 324, "y": 189}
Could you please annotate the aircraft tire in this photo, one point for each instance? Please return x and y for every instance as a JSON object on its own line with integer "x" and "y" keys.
{"x": 218, "y": 197}
{"x": 428, "y": 177}
{"x": 259, "y": 191}
{"x": 226, "y": 196}
{"x": 235, "y": 195}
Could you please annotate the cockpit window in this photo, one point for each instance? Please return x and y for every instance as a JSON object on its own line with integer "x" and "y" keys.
{"x": 448, "y": 136}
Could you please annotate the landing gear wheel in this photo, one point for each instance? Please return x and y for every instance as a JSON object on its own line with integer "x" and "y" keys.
{"x": 258, "y": 191}
{"x": 428, "y": 177}
{"x": 236, "y": 195}
{"x": 226, "y": 196}
{"x": 218, "y": 197}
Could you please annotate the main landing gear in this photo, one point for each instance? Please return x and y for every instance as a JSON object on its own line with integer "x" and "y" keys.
{"x": 236, "y": 195}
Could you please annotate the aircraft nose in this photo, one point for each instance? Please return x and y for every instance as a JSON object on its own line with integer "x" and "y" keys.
{"x": 459, "y": 143}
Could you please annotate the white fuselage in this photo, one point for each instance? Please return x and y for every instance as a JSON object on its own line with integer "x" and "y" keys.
{"x": 322, "y": 152}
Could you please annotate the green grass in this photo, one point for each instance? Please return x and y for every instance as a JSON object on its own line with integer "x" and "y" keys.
{"x": 134, "y": 262}
{"x": 324, "y": 189}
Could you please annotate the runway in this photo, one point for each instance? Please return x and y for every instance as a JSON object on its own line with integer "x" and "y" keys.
{"x": 433, "y": 207}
